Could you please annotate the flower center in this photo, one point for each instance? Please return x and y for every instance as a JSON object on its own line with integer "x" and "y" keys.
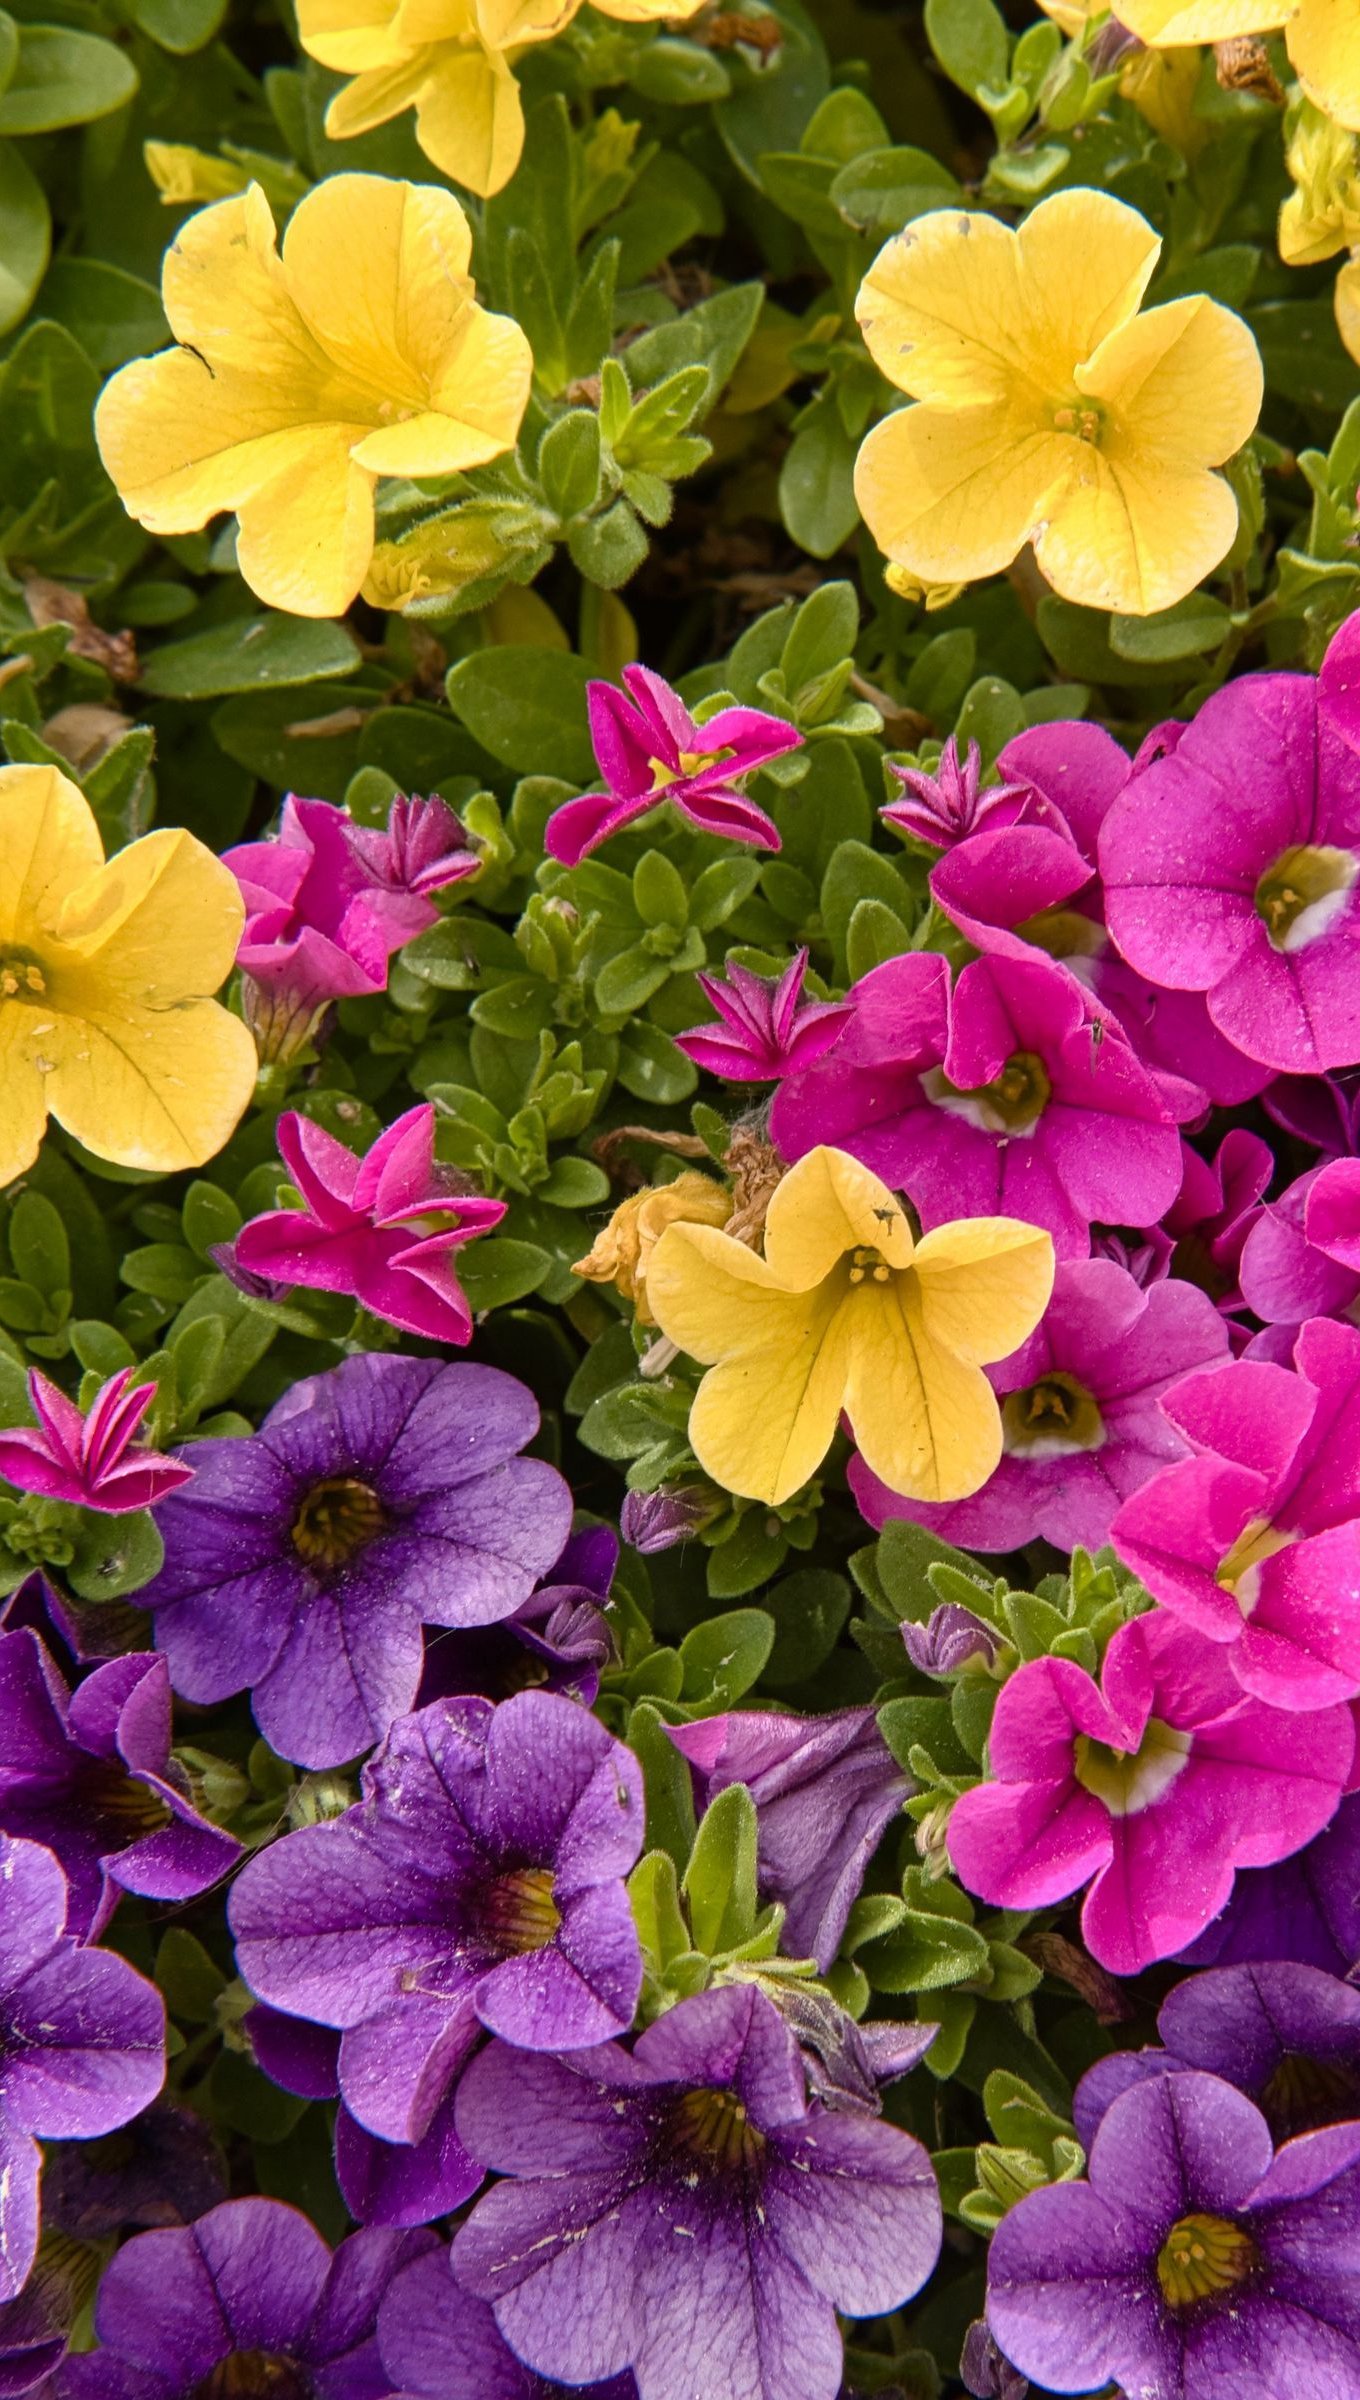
{"x": 1128, "y": 1781}
{"x": 1064, "y": 933}
{"x": 110, "y": 1793}
{"x": 1013, "y": 1103}
{"x": 335, "y": 1519}
{"x": 519, "y": 1911}
{"x": 1240, "y": 1571}
{"x": 1079, "y": 417}
{"x": 690, "y": 762}
{"x": 253, "y": 2375}
{"x": 869, "y": 1265}
{"x": 1054, "y": 1418}
{"x": 1304, "y": 2093}
{"x": 1201, "y": 2257}
{"x": 21, "y": 976}
{"x": 1302, "y": 895}
{"x": 713, "y": 2125}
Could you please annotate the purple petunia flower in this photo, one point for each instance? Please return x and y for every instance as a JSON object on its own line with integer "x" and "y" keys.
{"x": 1230, "y": 867}
{"x": 82, "y": 2042}
{"x": 88, "y": 1459}
{"x": 654, "y": 1521}
{"x": 162, "y": 2169}
{"x": 248, "y": 2300}
{"x": 950, "y": 1639}
{"x": 1080, "y": 1418}
{"x": 825, "y": 1789}
{"x": 477, "y": 1883}
{"x": 767, "y": 1029}
{"x": 438, "y": 2343}
{"x": 303, "y": 1561}
{"x": 1287, "y": 2035}
{"x": 682, "y": 2210}
{"x": 35, "y": 2326}
{"x": 1153, "y": 1786}
{"x": 1255, "y": 1541}
{"x": 328, "y": 901}
{"x": 984, "y": 2369}
{"x": 1196, "y": 2260}
{"x": 381, "y": 2183}
{"x": 1006, "y": 1098}
{"x": 649, "y": 749}
{"x": 560, "y": 1636}
{"x": 90, "y": 1773}
{"x": 382, "y": 1229}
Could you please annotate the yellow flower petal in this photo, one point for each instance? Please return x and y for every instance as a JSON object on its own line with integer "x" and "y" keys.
{"x": 470, "y": 119}
{"x": 1184, "y": 380}
{"x": 763, "y": 1420}
{"x": 306, "y": 531}
{"x": 951, "y": 495}
{"x": 349, "y": 35}
{"x": 926, "y": 1422}
{"x": 985, "y": 1283}
{"x": 647, "y": 12}
{"x": 377, "y": 95}
{"x": 1346, "y": 303}
{"x": 1167, "y": 22}
{"x": 827, "y": 1204}
{"x": 505, "y": 24}
{"x": 710, "y": 1294}
{"x": 160, "y": 922}
{"x": 958, "y": 306}
{"x": 225, "y": 293}
{"x": 1324, "y": 49}
{"x": 48, "y": 841}
{"x": 379, "y": 273}
{"x": 1135, "y": 535}
{"x": 107, "y": 1020}
{"x": 153, "y": 1089}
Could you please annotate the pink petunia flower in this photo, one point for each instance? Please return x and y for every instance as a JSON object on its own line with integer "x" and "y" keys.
{"x": 1231, "y": 867}
{"x": 1255, "y": 1541}
{"x": 649, "y": 749}
{"x": 88, "y": 1459}
{"x": 329, "y": 901}
{"x": 382, "y": 1229}
{"x": 1030, "y": 881}
{"x": 766, "y": 1030}
{"x": 1215, "y": 1213}
{"x": 1007, "y": 1097}
{"x": 1301, "y": 1257}
{"x": 946, "y": 807}
{"x": 1153, "y": 1786}
{"x": 1079, "y": 1413}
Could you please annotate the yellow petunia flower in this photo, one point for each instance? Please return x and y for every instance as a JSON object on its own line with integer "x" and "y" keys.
{"x": 622, "y": 1253}
{"x": 106, "y": 972}
{"x": 1049, "y": 411}
{"x": 1321, "y": 36}
{"x": 451, "y": 61}
{"x": 360, "y": 351}
{"x": 846, "y": 1311}
{"x": 1322, "y": 213}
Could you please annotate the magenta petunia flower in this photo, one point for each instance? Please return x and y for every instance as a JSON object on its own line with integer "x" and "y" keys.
{"x": 91, "y": 1774}
{"x": 88, "y": 1459}
{"x": 1301, "y": 1257}
{"x": 478, "y": 1882}
{"x": 82, "y": 2042}
{"x": 1033, "y": 883}
{"x": 1010, "y": 1097}
{"x": 767, "y": 1029}
{"x": 327, "y": 903}
{"x": 1230, "y": 866}
{"x": 649, "y": 749}
{"x": 682, "y": 2209}
{"x": 1215, "y": 1213}
{"x": 1152, "y": 1786}
{"x": 954, "y": 803}
{"x": 825, "y": 1790}
{"x": 1080, "y": 1419}
{"x": 382, "y": 1229}
{"x": 1255, "y": 1541}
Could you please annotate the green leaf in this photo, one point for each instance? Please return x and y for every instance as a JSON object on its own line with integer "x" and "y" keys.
{"x": 679, "y": 74}
{"x": 654, "y": 1890}
{"x": 670, "y": 1791}
{"x": 114, "y": 1555}
{"x": 25, "y": 231}
{"x": 823, "y": 633}
{"x": 247, "y": 654}
{"x": 719, "y": 1882}
{"x": 527, "y": 707}
{"x": 497, "y": 1270}
{"x": 569, "y": 463}
{"x": 64, "y": 78}
{"x": 713, "y": 335}
{"x": 809, "y": 1609}
{"x": 209, "y": 1215}
{"x": 1193, "y": 626}
{"x": 816, "y": 481}
{"x": 190, "y": 1980}
{"x": 180, "y": 26}
{"x": 651, "y": 1068}
{"x": 992, "y": 715}
{"x": 969, "y": 39}
{"x": 38, "y": 1248}
{"x": 883, "y": 190}
{"x": 875, "y": 934}
{"x": 659, "y": 890}
{"x": 724, "y": 1656}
